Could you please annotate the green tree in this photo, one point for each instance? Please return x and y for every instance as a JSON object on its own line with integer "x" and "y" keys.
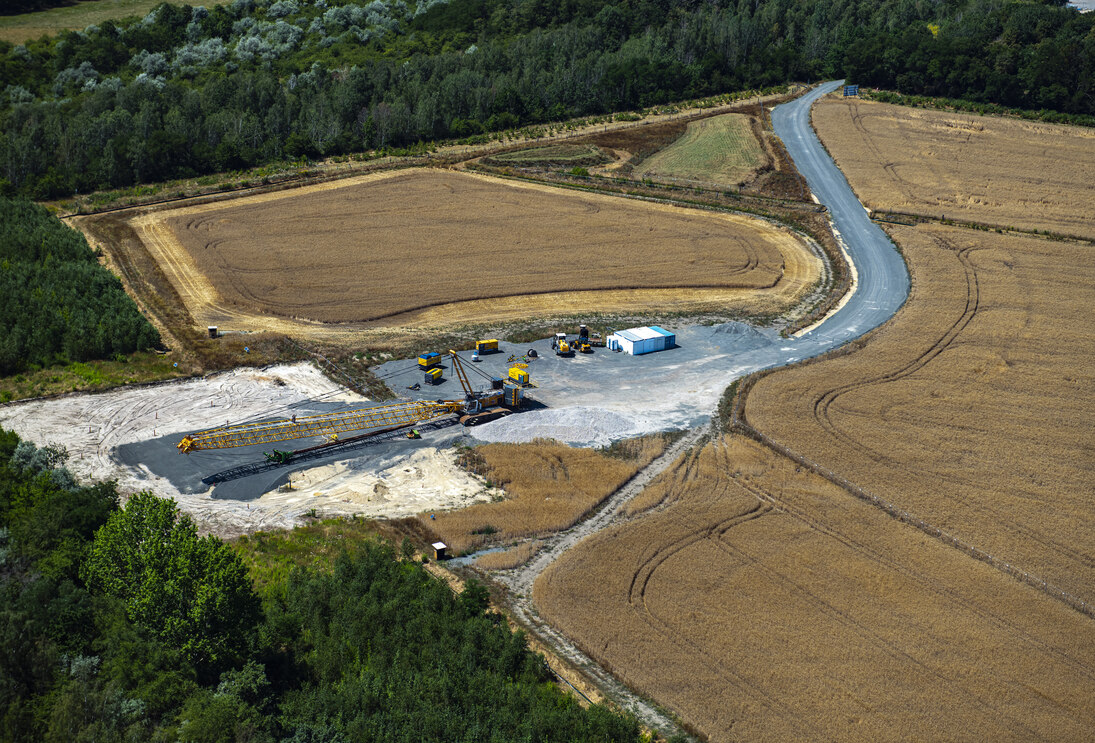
{"x": 190, "y": 592}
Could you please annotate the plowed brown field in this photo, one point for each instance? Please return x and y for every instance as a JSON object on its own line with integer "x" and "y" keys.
{"x": 398, "y": 247}
{"x": 974, "y": 408}
{"x": 761, "y": 602}
{"x": 1005, "y": 172}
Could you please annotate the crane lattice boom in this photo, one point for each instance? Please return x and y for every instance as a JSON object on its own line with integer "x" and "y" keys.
{"x": 327, "y": 424}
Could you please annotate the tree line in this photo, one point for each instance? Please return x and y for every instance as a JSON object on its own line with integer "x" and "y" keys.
{"x": 58, "y": 303}
{"x": 122, "y": 624}
{"x": 186, "y": 91}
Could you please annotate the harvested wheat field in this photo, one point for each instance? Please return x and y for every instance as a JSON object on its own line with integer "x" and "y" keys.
{"x": 369, "y": 250}
{"x": 999, "y": 171}
{"x": 973, "y": 409}
{"x": 760, "y": 602}
{"x": 549, "y": 487}
{"x": 720, "y": 150}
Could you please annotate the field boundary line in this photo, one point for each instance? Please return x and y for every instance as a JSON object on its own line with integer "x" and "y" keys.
{"x": 740, "y": 424}
{"x": 519, "y": 583}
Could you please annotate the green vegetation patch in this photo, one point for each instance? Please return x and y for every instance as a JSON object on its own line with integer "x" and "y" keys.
{"x": 122, "y": 624}
{"x": 59, "y": 304}
{"x": 142, "y": 366}
{"x": 77, "y": 16}
{"x": 561, "y": 154}
{"x": 721, "y": 150}
{"x": 271, "y": 557}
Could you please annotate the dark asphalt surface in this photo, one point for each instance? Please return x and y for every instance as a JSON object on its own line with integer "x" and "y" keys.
{"x": 883, "y": 283}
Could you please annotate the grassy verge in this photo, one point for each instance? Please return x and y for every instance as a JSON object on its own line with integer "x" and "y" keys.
{"x": 982, "y": 109}
{"x": 272, "y": 556}
{"x": 78, "y": 16}
{"x": 722, "y": 149}
{"x": 146, "y": 366}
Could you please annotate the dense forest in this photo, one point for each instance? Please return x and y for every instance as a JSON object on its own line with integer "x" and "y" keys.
{"x": 185, "y": 91}
{"x": 16, "y": 7}
{"x": 58, "y": 303}
{"x": 122, "y": 624}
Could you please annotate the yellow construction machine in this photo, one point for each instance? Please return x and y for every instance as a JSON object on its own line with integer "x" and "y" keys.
{"x": 503, "y": 398}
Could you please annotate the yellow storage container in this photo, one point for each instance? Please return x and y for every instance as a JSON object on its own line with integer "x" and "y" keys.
{"x": 428, "y": 360}
{"x": 518, "y": 375}
{"x": 487, "y": 346}
{"x": 433, "y": 375}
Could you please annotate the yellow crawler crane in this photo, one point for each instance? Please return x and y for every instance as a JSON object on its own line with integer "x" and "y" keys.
{"x": 326, "y": 424}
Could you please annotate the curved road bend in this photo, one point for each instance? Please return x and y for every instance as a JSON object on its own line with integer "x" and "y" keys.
{"x": 883, "y": 280}
{"x": 883, "y": 285}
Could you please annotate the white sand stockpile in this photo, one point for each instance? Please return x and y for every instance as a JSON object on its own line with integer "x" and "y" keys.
{"x": 90, "y": 426}
{"x": 427, "y": 479}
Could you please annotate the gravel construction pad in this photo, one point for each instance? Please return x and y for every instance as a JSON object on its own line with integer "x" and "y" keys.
{"x": 595, "y": 399}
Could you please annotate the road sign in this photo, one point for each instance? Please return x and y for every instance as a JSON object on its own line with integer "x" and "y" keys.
{"x": 850, "y": 90}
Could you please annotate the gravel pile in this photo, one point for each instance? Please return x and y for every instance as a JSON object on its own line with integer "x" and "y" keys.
{"x": 743, "y": 337}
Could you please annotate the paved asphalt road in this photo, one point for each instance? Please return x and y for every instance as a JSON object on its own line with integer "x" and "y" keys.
{"x": 883, "y": 280}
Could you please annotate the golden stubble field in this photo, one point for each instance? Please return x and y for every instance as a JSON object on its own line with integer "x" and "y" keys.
{"x": 973, "y": 409}
{"x": 1000, "y": 171}
{"x": 424, "y": 247}
{"x": 760, "y": 602}
{"x": 549, "y": 487}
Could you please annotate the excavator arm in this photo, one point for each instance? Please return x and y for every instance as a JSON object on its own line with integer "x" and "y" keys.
{"x": 326, "y": 424}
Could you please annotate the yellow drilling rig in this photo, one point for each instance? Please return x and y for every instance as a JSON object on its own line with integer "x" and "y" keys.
{"x": 504, "y": 397}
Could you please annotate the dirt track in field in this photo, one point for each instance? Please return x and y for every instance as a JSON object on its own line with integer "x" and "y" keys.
{"x": 759, "y": 601}
{"x": 365, "y": 250}
{"x": 999, "y": 171}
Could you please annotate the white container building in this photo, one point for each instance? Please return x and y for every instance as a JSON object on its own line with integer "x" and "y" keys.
{"x": 637, "y": 341}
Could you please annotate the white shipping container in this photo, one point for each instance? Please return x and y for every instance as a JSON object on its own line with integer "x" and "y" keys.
{"x": 638, "y": 341}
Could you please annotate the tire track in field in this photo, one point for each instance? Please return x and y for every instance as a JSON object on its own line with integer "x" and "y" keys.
{"x": 904, "y": 186}
{"x": 641, "y": 576}
{"x": 767, "y": 503}
{"x": 822, "y": 408}
{"x": 520, "y": 584}
{"x": 864, "y": 631}
{"x": 933, "y": 586}
{"x": 637, "y": 600}
{"x": 823, "y": 403}
{"x": 644, "y": 572}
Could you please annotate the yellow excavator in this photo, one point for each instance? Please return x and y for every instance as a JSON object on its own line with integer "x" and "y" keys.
{"x": 477, "y": 407}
